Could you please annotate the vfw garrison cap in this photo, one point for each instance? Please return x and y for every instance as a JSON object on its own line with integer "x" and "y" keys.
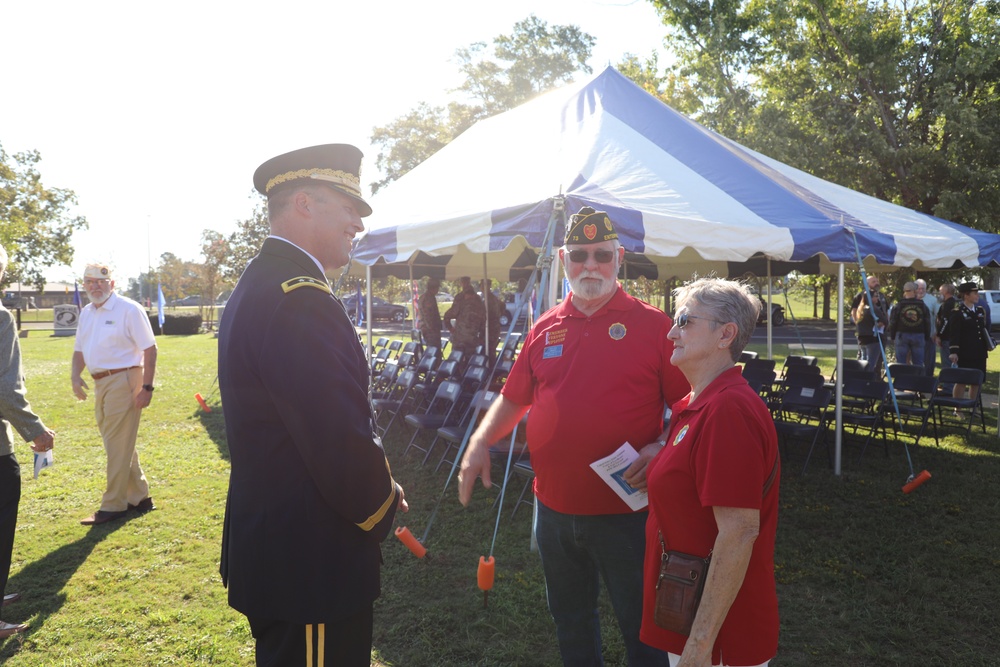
{"x": 335, "y": 165}
{"x": 98, "y": 271}
{"x": 590, "y": 226}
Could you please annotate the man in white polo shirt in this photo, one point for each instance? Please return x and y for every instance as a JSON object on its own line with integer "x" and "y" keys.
{"x": 115, "y": 343}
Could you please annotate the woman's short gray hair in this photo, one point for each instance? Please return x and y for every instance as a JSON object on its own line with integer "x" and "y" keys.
{"x": 726, "y": 301}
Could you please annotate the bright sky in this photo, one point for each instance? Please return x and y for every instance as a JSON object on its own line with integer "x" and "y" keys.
{"x": 156, "y": 115}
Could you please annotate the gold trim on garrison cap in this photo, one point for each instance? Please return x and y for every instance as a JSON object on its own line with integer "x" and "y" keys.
{"x": 590, "y": 226}
{"x": 335, "y": 165}
{"x": 98, "y": 271}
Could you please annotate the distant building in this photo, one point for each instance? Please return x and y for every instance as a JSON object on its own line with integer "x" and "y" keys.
{"x": 21, "y": 296}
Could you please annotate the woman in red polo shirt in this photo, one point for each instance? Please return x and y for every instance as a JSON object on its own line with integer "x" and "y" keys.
{"x": 707, "y": 487}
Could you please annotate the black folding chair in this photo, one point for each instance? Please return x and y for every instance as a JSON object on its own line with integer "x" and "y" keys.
{"x": 802, "y": 414}
{"x": 523, "y": 470}
{"x": 437, "y": 414}
{"x": 794, "y": 360}
{"x": 961, "y": 376}
{"x": 915, "y": 399}
{"x": 760, "y": 380}
{"x": 863, "y": 407}
{"x": 454, "y": 434}
{"x": 395, "y": 400}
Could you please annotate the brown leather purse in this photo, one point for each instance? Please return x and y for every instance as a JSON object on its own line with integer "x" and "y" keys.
{"x": 682, "y": 581}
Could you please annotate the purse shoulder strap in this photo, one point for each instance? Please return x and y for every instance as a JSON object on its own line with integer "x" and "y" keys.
{"x": 768, "y": 483}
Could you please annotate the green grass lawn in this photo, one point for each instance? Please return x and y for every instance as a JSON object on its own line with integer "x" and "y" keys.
{"x": 867, "y": 575}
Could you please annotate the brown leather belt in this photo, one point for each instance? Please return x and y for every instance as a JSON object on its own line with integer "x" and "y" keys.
{"x": 104, "y": 374}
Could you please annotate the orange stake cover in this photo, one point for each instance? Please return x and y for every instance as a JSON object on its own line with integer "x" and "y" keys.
{"x": 485, "y": 573}
{"x": 917, "y": 481}
{"x": 407, "y": 538}
{"x": 201, "y": 401}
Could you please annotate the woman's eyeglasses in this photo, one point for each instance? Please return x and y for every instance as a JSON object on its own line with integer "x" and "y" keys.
{"x": 681, "y": 321}
{"x": 600, "y": 256}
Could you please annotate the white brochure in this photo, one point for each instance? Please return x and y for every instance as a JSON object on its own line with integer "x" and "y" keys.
{"x": 612, "y": 470}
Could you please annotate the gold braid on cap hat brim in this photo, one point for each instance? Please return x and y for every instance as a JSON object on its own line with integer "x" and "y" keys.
{"x": 348, "y": 181}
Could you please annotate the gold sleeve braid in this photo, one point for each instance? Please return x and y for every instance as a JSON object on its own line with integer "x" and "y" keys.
{"x": 374, "y": 519}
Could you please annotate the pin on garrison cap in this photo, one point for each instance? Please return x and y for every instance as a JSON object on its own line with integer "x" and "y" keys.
{"x": 335, "y": 165}
{"x": 965, "y": 288}
{"x": 590, "y": 226}
{"x": 98, "y": 271}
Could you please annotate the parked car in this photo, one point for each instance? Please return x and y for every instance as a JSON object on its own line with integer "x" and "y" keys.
{"x": 777, "y": 313}
{"x": 381, "y": 309}
{"x": 443, "y": 297}
{"x": 508, "y": 314}
{"x": 14, "y": 300}
{"x": 193, "y": 300}
{"x": 992, "y": 297}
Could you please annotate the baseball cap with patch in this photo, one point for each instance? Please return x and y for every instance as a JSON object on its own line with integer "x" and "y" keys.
{"x": 590, "y": 226}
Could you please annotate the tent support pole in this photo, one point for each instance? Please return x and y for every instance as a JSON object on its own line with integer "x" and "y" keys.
{"x": 368, "y": 306}
{"x": 486, "y": 302}
{"x": 415, "y": 320}
{"x": 770, "y": 331}
{"x": 549, "y": 278}
{"x": 839, "y": 388}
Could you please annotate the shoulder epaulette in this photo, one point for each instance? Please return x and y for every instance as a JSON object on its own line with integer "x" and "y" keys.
{"x": 305, "y": 281}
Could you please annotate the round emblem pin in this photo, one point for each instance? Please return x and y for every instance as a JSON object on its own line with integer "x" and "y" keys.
{"x": 680, "y": 436}
{"x": 617, "y": 331}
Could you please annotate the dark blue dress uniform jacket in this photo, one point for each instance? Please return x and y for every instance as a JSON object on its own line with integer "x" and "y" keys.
{"x": 310, "y": 493}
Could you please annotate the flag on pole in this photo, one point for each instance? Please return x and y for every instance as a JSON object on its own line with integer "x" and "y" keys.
{"x": 160, "y": 304}
{"x": 76, "y": 295}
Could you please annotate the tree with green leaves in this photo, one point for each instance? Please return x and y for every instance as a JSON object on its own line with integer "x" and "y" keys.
{"x": 899, "y": 99}
{"x": 532, "y": 59}
{"x": 177, "y": 277}
{"x": 215, "y": 250}
{"x": 36, "y": 224}
{"x": 244, "y": 244}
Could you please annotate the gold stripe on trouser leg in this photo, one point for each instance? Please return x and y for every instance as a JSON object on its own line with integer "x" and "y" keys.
{"x": 309, "y": 645}
{"x": 321, "y": 651}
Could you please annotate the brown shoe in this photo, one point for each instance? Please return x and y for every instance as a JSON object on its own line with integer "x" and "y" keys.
{"x": 143, "y": 506}
{"x": 11, "y": 598}
{"x": 8, "y": 629}
{"x": 103, "y": 516}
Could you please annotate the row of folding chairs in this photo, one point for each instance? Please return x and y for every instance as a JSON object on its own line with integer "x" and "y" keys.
{"x": 402, "y": 388}
{"x": 801, "y": 402}
{"x": 440, "y": 426}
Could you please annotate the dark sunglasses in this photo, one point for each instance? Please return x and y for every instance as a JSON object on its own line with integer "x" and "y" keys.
{"x": 600, "y": 256}
{"x": 681, "y": 321}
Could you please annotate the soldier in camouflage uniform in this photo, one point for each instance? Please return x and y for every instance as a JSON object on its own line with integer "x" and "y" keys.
{"x": 469, "y": 314}
{"x": 494, "y": 308}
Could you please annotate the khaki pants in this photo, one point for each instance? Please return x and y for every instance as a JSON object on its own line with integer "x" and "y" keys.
{"x": 118, "y": 422}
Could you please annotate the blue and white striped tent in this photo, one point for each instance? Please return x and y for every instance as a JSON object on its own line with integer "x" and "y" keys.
{"x": 683, "y": 198}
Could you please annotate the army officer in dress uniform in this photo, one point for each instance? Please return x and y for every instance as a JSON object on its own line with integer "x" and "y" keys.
{"x": 310, "y": 495}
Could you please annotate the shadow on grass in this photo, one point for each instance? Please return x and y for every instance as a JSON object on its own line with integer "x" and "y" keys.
{"x": 215, "y": 425}
{"x": 42, "y": 583}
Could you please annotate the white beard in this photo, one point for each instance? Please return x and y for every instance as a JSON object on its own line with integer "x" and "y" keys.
{"x": 100, "y": 300}
{"x": 591, "y": 290}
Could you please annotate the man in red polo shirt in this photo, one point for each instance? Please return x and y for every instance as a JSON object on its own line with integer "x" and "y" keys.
{"x": 595, "y": 372}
